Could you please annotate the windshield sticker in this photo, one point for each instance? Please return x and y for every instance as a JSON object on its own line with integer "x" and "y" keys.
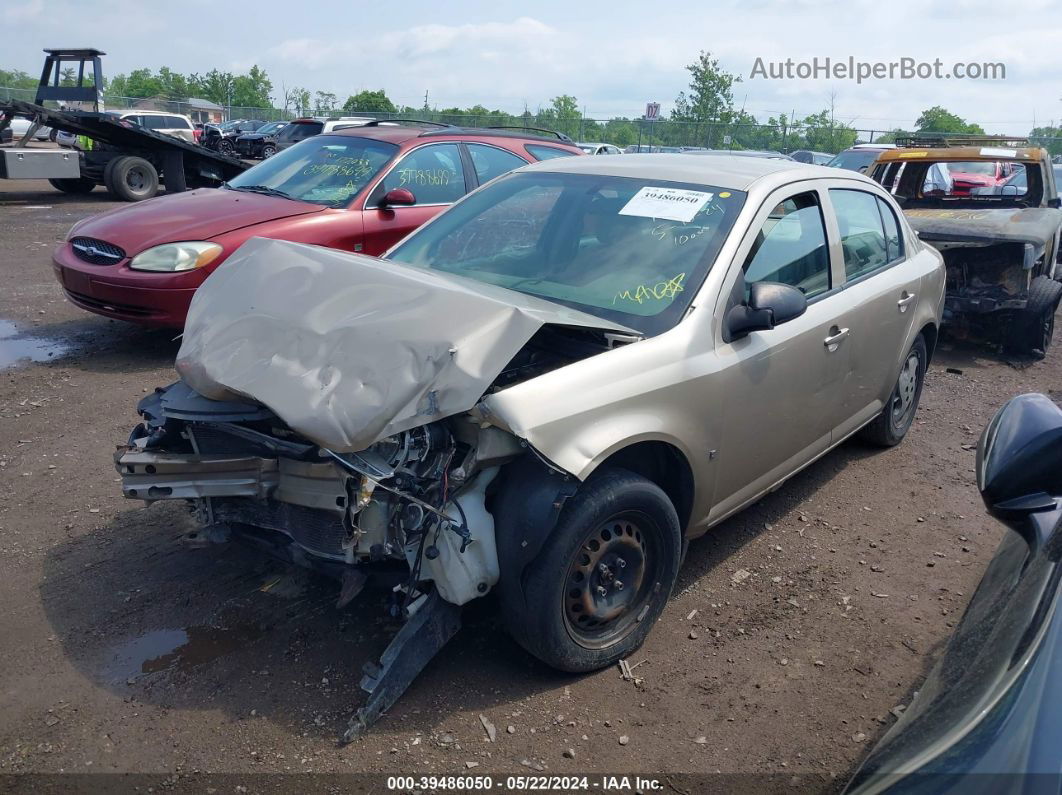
{"x": 652, "y": 292}
{"x": 724, "y": 195}
{"x": 989, "y": 151}
{"x": 672, "y": 204}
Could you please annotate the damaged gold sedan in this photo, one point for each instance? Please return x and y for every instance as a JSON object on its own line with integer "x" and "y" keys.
{"x": 545, "y": 392}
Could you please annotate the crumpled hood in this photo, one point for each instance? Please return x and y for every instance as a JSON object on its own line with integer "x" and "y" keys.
{"x": 193, "y": 215}
{"x": 349, "y": 349}
{"x": 1036, "y": 225}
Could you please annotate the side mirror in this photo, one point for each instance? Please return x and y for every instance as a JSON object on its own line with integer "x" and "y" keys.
{"x": 1019, "y": 457}
{"x": 769, "y": 304}
{"x": 398, "y": 196}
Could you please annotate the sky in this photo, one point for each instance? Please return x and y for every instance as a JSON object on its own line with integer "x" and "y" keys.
{"x": 613, "y": 56}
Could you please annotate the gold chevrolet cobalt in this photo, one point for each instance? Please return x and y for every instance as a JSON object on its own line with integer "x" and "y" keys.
{"x": 546, "y": 391}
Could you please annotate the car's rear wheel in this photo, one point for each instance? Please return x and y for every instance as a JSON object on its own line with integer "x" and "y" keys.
{"x": 131, "y": 179}
{"x": 1033, "y": 329}
{"x": 604, "y": 576}
{"x": 73, "y": 184}
{"x": 892, "y": 424}
{"x": 268, "y": 151}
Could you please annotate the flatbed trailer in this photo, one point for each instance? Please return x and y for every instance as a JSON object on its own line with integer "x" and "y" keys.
{"x": 128, "y": 160}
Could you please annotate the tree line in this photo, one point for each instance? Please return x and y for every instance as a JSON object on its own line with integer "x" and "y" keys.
{"x": 704, "y": 114}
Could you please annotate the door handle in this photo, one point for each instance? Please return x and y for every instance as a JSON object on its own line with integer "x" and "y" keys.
{"x": 905, "y": 301}
{"x": 837, "y": 336}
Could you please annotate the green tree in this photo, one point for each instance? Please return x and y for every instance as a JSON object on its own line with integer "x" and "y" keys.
{"x": 1050, "y": 138}
{"x": 711, "y": 92}
{"x": 16, "y": 78}
{"x": 252, "y": 90}
{"x": 937, "y": 119}
{"x": 214, "y": 86}
{"x": 370, "y": 102}
{"x": 326, "y": 101}
{"x": 562, "y": 115}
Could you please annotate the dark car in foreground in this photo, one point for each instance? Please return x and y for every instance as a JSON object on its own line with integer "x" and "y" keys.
{"x": 987, "y": 719}
{"x": 262, "y": 143}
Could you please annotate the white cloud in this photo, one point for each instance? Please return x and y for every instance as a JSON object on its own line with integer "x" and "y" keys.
{"x": 23, "y": 12}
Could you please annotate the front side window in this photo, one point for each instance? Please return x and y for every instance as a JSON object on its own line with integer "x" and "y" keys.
{"x": 324, "y": 170}
{"x": 631, "y": 250}
{"x": 433, "y": 174}
{"x": 791, "y": 247}
{"x": 862, "y": 232}
{"x": 491, "y": 162}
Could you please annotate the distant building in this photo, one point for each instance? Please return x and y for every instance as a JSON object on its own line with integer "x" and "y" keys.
{"x": 199, "y": 110}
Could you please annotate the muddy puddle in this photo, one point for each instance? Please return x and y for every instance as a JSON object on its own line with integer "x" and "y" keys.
{"x": 165, "y": 649}
{"x": 21, "y": 348}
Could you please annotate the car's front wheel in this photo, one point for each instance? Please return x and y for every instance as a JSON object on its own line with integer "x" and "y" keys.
{"x": 268, "y": 151}
{"x": 604, "y": 576}
{"x": 889, "y": 427}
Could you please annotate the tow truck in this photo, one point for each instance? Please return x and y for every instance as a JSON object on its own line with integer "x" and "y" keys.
{"x": 130, "y": 161}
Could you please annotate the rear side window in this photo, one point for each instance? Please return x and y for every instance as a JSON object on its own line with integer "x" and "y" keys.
{"x": 177, "y": 123}
{"x": 296, "y": 131}
{"x": 433, "y": 174}
{"x": 540, "y": 152}
{"x": 791, "y": 248}
{"x": 156, "y": 122}
{"x": 863, "y": 235}
{"x": 490, "y": 161}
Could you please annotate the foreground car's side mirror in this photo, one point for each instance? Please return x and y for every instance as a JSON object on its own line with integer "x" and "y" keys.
{"x": 769, "y": 304}
{"x": 398, "y": 196}
{"x": 1019, "y": 457}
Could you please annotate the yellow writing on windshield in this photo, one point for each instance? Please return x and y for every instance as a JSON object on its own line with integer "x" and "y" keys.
{"x": 343, "y": 167}
{"x": 421, "y": 176}
{"x": 666, "y": 289}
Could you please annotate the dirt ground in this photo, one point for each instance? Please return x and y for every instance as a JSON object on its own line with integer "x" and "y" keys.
{"x": 128, "y": 647}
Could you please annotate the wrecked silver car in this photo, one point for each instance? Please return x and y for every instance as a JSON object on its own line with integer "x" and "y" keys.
{"x": 545, "y": 392}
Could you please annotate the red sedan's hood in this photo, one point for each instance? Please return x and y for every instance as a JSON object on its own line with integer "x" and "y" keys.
{"x": 194, "y": 215}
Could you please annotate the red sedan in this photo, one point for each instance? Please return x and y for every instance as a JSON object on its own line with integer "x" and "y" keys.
{"x": 360, "y": 189}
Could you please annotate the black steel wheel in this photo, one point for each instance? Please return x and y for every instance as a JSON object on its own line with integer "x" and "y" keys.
{"x": 892, "y": 424}
{"x": 131, "y": 179}
{"x": 603, "y": 576}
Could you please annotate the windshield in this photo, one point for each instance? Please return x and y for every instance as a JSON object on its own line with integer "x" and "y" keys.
{"x": 271, "y": 127}
{"x": 855, "y": 159}
{"x": 630, "y": 250}
{"x": 322, "y": 170}
{"x": 987, "y": 168}
{"x": 229, "y": 125}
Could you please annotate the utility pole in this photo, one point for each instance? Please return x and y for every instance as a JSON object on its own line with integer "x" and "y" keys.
{"x": 425, "y": 99}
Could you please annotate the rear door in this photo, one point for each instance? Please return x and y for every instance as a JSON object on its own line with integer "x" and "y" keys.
{"x": 436, "y": 176}
{"x": 881, "y": 285}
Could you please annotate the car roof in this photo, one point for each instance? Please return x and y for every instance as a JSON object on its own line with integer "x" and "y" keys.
{"x": 737, "y": 173}
{"x": 961, "y": 153}
{"x": 400, "y": 133}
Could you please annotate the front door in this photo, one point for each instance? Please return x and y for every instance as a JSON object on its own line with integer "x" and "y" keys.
{"x": 434, "y": 174}
{"x": 780, "y": 387}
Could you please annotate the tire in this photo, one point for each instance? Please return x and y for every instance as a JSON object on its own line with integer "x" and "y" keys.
{"x": 268, "y": 151}
{"x": 1033, "y": 328}
{"x": 131, "y": 179}
{"x": 892, "y": 424}
{"x": 78, "y": 185}
{"x": 575, "y": 615}
{"x": 225, "y": 147}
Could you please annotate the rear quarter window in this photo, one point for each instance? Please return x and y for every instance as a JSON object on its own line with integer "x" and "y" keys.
{"x": 541, "y": 152}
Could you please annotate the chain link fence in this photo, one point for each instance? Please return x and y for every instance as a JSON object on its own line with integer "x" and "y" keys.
{"x": 658, "y": 135}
